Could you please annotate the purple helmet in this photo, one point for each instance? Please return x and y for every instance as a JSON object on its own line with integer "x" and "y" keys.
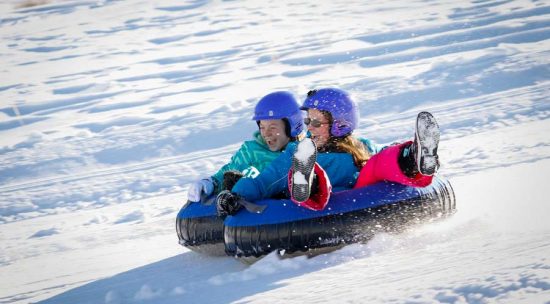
{"x": 338, "y": 103}
{"x": 281, "y": 105}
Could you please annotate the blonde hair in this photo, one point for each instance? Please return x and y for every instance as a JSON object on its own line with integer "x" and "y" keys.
{"x": 353, "y": 146}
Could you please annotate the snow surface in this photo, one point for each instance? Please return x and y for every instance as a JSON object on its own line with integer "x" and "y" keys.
{"x": 109, "y": 109}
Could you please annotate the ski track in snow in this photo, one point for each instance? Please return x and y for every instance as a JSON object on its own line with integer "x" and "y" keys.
{"x": 109, "y": 109}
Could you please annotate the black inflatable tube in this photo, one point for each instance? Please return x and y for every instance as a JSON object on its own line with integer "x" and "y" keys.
{"x": 201, "y": 233}
{"x": 351, "y": 216}
{"x": 336, "y": 229}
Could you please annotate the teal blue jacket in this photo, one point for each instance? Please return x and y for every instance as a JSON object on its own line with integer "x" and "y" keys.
{"x": 339, "y": 167}
{"x": 251, "y": 158}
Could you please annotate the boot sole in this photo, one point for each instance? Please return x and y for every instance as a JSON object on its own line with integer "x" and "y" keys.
{"x": 427, "y": 137}
{"x": 303, "y": 161}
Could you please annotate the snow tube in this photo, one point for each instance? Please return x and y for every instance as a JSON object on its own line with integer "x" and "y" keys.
{"x": 351, "y": 216}
{"x": 200, "y": 229}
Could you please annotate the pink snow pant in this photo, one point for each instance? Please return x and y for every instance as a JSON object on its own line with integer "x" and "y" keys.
{"x": 384, "y": 166}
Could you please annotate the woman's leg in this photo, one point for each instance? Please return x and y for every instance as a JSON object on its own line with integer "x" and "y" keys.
{"x": 384, "y": 166}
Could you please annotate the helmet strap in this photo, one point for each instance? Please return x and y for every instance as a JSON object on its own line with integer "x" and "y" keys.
{"x": 287, "y": 127}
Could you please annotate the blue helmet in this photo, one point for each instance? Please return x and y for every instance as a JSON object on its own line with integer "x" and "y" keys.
{"x": 338, "y": 103}
{"x": 281, "y": 105}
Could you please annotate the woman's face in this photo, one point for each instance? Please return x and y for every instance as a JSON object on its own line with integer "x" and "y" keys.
{"x": 273, "y": 132}
{"x": 321, "y": 134}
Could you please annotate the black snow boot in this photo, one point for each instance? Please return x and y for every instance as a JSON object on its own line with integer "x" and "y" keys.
{"x": 426, "y": 140}
{"x": 407, "y": 161}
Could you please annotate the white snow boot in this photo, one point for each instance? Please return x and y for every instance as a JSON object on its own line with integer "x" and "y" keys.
{"x": 303, "y": 161}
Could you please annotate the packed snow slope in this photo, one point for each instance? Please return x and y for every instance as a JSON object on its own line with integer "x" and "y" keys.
{"x": 109, "y": 109}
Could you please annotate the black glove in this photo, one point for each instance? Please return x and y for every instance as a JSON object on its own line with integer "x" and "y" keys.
{"x": 227, "y": 203}
{"x": 230, "y": 178}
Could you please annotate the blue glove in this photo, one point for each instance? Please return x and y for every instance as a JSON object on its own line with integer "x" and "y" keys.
{"x": 196, "y": 189}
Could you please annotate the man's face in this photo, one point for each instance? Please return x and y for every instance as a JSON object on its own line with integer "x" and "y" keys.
{"x": 318, "y": 127}
{"x": 273, "y": 132}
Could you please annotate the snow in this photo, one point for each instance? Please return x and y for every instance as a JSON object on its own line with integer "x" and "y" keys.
{"x": 304, "y": 151}
{"x": 299, "y": 178}
{"x": 110, "y": 109}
